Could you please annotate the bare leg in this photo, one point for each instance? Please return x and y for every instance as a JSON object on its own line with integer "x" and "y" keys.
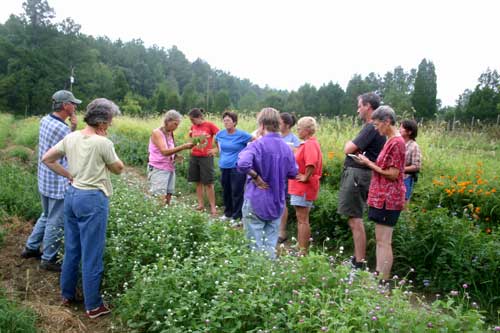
{"x": 304, "y": 229}
{"x": 359, "y": 237}
{"x": 383, "y": 235}
{"x": 284, "y": 220}
{"x": 210, "y": 189}
{"x": 168, "y": 198}
{"x": 199, "y": 195}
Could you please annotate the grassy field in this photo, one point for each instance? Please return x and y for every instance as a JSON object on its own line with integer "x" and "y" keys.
{"x": 184, "y": 273}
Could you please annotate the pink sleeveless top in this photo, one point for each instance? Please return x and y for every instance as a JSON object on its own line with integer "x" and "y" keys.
{"x": 159, "y": 161}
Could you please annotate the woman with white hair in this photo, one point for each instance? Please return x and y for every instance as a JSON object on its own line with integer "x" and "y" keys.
{"x": 386, "y": 196}
{"x": 304, "y": 188}
{"x": 163, "y": 155}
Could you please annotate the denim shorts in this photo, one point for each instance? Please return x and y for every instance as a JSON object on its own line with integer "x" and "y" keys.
{"x": 300, "y": 200}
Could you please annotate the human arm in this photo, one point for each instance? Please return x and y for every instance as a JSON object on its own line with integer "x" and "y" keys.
{"x": 390, "y": 173}
{"x": 350, "y": 148}
{"x": 73, "y": 121}
{"x": 116, "y": 167}
{"x": 50, "y": 159}
{"x": 304, "y": 177}
{"x": 159, "y": 141}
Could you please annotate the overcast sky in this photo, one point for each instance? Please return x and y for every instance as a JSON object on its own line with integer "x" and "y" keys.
{"x": 285, "y": 44}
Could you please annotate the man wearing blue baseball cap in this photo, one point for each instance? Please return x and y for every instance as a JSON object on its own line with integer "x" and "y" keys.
{"x": 48, "y": 230}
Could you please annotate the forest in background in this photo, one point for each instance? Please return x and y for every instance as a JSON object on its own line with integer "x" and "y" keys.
{"x": 39, "y": 56}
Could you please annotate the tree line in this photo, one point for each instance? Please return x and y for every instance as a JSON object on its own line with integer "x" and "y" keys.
{"x": 39, "y": 56}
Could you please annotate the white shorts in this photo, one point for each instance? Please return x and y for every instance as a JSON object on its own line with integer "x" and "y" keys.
{"x": 161, "y": 182}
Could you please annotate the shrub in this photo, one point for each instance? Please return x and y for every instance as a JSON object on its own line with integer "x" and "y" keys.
{"x": 447, "y": 252}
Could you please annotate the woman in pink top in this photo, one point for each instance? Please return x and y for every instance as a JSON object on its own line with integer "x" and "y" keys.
{"x": 386, "y": 196}
{"x": 162, "y": 157}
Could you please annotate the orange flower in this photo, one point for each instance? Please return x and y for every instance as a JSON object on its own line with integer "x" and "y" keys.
{"x": 331, "y": 155}
{"x": 493, "y": 190}
{"x": 477, "y": 210}
{"x": 488, "y": 230}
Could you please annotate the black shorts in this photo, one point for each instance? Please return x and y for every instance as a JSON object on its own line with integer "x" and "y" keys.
{"x": 201, "y": 170}
{"x": 383, "y": 216}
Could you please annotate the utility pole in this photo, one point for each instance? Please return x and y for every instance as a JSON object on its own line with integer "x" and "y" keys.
{"x": 71, "y": 78}
{"x": 208, "y": 89}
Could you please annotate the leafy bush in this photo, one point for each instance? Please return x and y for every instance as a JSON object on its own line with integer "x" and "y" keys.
{"x": 146, "y": 232}
{"x": 173, "y": 272}
{"x": 14, "y": 318}
{"x": 23, "y": 154}
{"x": 19, "y": 194}
{"x": 447, "y": 252}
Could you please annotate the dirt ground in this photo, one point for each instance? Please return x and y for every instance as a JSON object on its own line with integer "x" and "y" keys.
{"x": 38, "y": 289}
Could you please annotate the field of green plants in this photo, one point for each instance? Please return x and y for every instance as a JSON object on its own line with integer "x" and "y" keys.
{"x": 174, "y": 270}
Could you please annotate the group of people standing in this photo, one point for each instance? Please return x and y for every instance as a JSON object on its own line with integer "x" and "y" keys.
{"x": 74, "y": 183}
{"x": 376, "y": 167}
{"x": 260, "y": 172}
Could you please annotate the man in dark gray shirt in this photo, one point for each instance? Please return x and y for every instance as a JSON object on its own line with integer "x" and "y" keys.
{"x": 356, "y": 178}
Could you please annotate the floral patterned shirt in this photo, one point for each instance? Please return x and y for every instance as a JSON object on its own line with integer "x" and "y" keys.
{"x": 383, "y": 191}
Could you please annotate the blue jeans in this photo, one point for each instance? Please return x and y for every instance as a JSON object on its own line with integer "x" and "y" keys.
{"x": 85, "y": 222}
{"x": 409, "y": 182}
{"x": 233, "y": 187}
{"x": 48, "y": 230}
{"x": 262, "y": 233}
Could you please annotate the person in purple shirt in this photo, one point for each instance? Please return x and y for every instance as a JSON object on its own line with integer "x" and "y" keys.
{"x": 268, "y": 162}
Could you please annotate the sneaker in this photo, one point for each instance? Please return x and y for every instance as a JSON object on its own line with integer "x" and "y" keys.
{"x": 50, "y": 266}
{"x": 235, "y": 223}
{"x": 357, "y": 265}
{"x": 97, "y": 312}
{"x": 29, "y": 253}
{"x": 223, "y": 218}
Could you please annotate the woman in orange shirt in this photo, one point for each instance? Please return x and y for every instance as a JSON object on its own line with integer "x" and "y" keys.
{"x": 304, "y": 188}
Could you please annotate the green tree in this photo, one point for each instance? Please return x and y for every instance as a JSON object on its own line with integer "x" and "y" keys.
{"x": 222, "y": 101}
{"x": 424, "y": 95}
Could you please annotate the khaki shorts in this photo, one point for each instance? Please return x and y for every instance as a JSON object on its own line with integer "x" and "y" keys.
{"x": 353, "y": 191}
{"x": 161, "y": 182}
{"x": 201, "y": 170}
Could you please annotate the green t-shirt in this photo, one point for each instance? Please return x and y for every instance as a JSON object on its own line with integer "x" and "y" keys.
{"x": 87, "y": 157}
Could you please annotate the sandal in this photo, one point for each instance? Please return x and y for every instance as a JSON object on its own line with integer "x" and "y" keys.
{"x": 200, "y": 209}
{"x": 281, "y": 240}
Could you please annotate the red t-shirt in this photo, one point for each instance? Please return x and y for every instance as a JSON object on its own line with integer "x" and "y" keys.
{"x": 207, "y": 129}
{"x": 308, "y": 153}
{"x": 383, "y": 190}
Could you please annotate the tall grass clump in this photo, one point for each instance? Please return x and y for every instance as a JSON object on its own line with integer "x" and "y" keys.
{"x": 6, "y": 121}
{"x": 19, "y": 194}
{"x": 25, "y": 132}
{"x": 14, "y": 318}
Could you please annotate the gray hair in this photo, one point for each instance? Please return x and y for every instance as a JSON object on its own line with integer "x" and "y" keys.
{"x": 270, "y": 118}
{"x": 100, "y": 111}
{"x": 308, "y": 123}
{"x": 171, "y": 115}
{"x": 383, "y": 113}
{"x": 57, "y": 106}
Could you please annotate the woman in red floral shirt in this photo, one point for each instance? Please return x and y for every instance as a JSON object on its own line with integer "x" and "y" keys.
{"x": 386, "y": 197}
